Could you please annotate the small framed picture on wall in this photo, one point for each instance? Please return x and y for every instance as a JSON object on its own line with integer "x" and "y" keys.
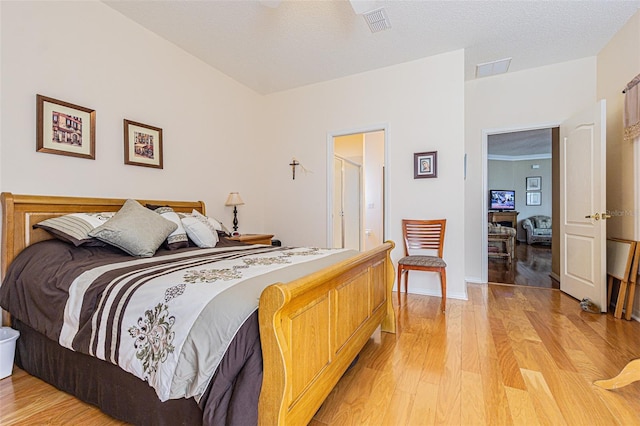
{"x": 534, "y": 198}
{"x": 142, "y": 144}
{"x": 63, "y": 128}
{"x": 534, "y": 183}
{"x": 425, "y": 165}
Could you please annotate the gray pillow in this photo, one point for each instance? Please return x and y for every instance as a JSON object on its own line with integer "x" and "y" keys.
{"x": 135, "y": 229}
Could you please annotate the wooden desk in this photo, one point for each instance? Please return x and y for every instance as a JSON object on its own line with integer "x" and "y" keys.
{"x": 253, "y": 238}
{"x": 499, "y": 217}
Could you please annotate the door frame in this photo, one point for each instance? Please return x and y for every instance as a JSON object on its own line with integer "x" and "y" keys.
{"x": 484, "y": 266}
{"x": 385, "y": 190}
{"x": 636, "y": 183}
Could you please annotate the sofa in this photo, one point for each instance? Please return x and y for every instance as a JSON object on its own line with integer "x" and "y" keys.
{"x": 538, "y": 229}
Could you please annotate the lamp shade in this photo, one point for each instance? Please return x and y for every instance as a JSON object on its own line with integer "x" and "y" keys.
{"x": 234, "y": 199}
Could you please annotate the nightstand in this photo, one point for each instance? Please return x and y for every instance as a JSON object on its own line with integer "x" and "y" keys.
{"x": 253, "y": 238}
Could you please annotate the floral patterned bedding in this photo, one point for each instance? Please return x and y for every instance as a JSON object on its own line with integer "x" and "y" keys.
{"x": 167, "y": 319}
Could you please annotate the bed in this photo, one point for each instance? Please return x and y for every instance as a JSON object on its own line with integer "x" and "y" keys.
{"x": 310, "y": 331}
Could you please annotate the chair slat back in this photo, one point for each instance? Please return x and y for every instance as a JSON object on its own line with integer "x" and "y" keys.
{"x": 423, "y": 234}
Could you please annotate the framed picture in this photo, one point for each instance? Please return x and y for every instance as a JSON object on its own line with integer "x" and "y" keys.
{"x": 534, "y": 183}
{"x": 65, "y": 129}
{"x": 425, "y": 165}
{"x": 142, "y": 145}
{"x": 534, "y": 198}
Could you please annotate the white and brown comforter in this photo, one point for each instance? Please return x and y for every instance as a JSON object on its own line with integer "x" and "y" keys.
{"x": 166, "y": 319}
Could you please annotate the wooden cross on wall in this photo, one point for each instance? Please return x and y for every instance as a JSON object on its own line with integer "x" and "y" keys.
{"x": 293, "y": 165}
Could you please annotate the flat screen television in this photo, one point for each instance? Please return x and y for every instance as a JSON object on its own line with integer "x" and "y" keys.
{"x": 500, "y": 199}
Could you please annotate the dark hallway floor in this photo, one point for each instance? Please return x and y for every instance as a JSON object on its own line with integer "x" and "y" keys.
{"x": 530, "y": 267}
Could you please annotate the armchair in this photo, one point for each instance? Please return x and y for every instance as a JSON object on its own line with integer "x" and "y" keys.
{"x": 538, "y": 229}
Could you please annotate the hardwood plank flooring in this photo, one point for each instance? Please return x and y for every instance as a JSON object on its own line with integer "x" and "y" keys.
{"x": 509, "y": 355}
{"x": 530, "y": 267}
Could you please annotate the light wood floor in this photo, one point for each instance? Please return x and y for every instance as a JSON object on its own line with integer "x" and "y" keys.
{"x": 508, "y": 355}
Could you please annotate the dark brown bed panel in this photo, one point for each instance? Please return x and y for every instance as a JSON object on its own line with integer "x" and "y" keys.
{"x": 231, "y": 398}
{"x": 127, "y": 398}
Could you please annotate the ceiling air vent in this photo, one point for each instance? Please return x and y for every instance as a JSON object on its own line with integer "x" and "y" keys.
{"x": 492, "y": 68}
{"x": 377, "y": 20}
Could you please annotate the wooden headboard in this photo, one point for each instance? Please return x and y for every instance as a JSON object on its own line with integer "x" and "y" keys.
{"x": 21, "y": 212}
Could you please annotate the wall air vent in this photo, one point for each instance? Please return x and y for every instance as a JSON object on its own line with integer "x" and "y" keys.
{"x": 377, "y": 20}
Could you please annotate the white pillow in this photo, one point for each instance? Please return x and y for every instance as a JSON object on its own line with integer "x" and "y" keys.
{"x": 204, "y": 219}
{"x": 178, "y": 238}
{"x": 200, "y": 231}
{"x": 218, "y": 225}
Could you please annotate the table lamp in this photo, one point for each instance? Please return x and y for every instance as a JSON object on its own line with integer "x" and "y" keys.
{"x": 234, "y": 200}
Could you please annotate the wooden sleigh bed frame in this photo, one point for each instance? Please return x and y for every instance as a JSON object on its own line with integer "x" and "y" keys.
{"x": 311, "y": 329}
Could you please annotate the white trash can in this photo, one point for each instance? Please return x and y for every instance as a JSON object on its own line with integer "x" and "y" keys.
{"x": 8, "y": 337}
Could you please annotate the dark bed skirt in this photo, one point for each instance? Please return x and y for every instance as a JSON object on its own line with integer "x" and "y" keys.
{"x": 231, "y": 398}
{"x": 116, "y": 392}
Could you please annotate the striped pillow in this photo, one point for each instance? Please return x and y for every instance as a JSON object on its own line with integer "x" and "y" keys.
{"x": 74, "y": 228}
{"x": 178, "y": 238}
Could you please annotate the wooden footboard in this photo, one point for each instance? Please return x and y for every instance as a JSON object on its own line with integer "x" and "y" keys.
{"x": 312, "y": 329}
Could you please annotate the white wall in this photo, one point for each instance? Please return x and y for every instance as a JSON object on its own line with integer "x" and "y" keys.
{"x": 619, "y": 63}
{"x": 422, "y": 103}
{"x": 540, "y": 96}
{"x": 90, "y": 55}
{"x": 1, "y": 103}
{"x": 350, "y": 147}
{"x": 218, "y": 135}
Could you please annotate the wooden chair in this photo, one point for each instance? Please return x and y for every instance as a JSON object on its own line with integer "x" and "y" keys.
{"x": 423, "y": 235}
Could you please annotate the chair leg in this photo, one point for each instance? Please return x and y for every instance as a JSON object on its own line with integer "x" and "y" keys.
{"x": 443, "y": 285}
{"x": 402, "y": 272}
{"x": 406, "y": 282}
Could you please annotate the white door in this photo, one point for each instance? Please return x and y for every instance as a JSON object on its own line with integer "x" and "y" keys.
{"x": 582, "y": 204}
{"x": 347, "y": 221}
{"x": 351, "y": 202}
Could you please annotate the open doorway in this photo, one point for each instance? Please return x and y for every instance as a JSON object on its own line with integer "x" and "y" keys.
{"x": 356, "y": 185}
{"x": 522, "y": 164}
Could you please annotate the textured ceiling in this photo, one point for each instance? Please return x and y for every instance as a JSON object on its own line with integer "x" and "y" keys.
{"x": 520, "y": 144}
{"x": 271, "y": 49}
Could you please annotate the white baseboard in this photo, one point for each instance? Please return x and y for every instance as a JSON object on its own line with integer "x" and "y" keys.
{"x": 422, "y": 292}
